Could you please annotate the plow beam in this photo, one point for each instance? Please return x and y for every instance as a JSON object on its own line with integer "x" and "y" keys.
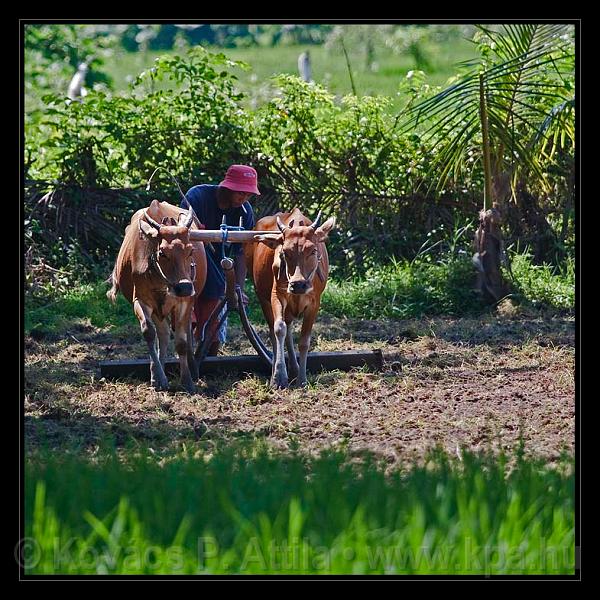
{"x": 316, "y": 362}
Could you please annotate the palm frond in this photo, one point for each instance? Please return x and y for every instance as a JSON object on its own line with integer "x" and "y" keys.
{"x": 515, "y": 40}
{"x": 524, "y": 89}
{"x": 558, "y": 121}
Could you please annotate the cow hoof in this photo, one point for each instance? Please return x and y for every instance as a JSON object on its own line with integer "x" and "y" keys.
{"x": 160, "y": 386}
{"x": 299, "y": 384}
{"x": 281, "y": 384}
{"x": 194, "y": 371}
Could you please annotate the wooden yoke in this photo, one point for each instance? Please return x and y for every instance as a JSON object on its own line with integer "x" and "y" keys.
{"x": 216, "y": 235}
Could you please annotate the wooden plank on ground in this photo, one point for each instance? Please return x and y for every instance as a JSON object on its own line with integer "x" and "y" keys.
{"x": 246, "y": 363}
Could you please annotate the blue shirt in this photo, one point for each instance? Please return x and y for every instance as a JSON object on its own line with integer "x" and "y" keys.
{"x": 203, "y": 199}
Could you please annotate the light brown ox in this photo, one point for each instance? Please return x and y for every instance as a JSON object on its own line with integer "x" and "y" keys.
{"x": 161, "y": 272}
{"x": 289, "y": 269}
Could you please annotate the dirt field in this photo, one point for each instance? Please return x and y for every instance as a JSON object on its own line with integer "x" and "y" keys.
{"x": 473, "y": 384}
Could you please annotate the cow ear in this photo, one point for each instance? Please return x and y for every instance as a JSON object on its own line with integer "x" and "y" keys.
{"x": 271, "y": 239}
{"x": 146, "y": 230}
{"x": 323, "y": 231}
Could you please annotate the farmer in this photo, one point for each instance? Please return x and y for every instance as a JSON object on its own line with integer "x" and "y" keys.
{"x": 210, "y": 203}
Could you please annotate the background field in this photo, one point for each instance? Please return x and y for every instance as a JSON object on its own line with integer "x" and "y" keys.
{"x": 329, "y": 68}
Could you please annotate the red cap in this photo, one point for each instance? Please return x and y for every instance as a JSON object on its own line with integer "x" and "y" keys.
{"x": 241, "y": 178}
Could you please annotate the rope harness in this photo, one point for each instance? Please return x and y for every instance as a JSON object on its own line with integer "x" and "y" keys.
{"x": 156, "y": 265}
{"x": 284, "y": 272}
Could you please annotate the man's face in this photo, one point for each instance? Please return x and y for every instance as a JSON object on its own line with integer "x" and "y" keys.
{"x": 238, "y": 198}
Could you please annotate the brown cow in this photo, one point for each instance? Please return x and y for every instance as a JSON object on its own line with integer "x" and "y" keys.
{"x": 289, "y": 270}
{"x": 161, "y": 272}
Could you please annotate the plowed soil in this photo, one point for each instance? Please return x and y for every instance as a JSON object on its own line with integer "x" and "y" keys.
{"x": 475, "y": 384}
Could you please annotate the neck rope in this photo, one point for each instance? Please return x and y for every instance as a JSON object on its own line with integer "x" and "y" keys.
{"x": 284, "y": 272}
{"x": 156, "y": 265}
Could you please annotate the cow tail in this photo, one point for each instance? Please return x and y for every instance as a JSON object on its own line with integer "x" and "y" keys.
{"x": 112, "y": 293}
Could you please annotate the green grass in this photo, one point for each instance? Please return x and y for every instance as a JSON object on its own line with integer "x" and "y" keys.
{"x": 407, "y": 289}
{"x": 246, "y": 510}
{"x": 544, "y": 285}
{"x": 403, "y": 289}
{"x": 399, "y": 290}
{"x": 83, "y": 304}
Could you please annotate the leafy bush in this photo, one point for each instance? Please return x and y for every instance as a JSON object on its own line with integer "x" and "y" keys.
{"x": 193, "y": 126}
{"x": 346, "y": 156}
{"x": 544, "y": 285}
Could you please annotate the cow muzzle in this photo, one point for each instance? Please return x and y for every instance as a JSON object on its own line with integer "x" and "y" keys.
{"x": 298, "y": 287}
{"x": 183, "y": 289}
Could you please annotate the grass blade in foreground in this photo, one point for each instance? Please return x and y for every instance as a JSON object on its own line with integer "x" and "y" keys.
{"x": 254, "y": 512}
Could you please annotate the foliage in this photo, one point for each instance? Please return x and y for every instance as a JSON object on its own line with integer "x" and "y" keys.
{"x": 53, "y": 53}
{"x": 165, "y": 36}
{"x": 528, "y": 77}
{"x": 345, "y": 155}
{"x": 119, "y": 140}
{"x": 246, "y": 510}
{"x": 349, "y": 158}
{"x": 544, "y": 285}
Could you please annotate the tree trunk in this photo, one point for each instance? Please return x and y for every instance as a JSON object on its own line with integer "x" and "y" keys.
{"x": 489, "y": 249}
{"x": 489, "y": 245}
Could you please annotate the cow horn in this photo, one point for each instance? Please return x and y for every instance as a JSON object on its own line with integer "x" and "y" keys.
{"x": 152, "y": 221}
{"x": 191, "y": 214}
{"x": 281, "y": 226}
{"x": 190, "y": 218}
{"x": 315, "y": 223}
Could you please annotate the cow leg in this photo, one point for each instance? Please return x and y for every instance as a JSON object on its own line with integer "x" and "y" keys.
{"x": 158, "y": 379}
{"x": 182, "y": 346}
{"x": 163, "y": 336}
{"x": 279, "y": 376}
{"x": 190, "y": 354}
{"x": 304, "y": 344}
{"x": 292, "y": 360}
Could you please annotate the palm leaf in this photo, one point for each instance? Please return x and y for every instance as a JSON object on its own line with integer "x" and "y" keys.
{"x": 524, "y": 80}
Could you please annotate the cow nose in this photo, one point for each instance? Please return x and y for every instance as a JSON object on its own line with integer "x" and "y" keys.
{"x": 183, "y": 289}
{"x": 298, "y": 287}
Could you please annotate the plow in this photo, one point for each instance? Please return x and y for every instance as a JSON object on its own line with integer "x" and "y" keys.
{"x": 232, "y": 302}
